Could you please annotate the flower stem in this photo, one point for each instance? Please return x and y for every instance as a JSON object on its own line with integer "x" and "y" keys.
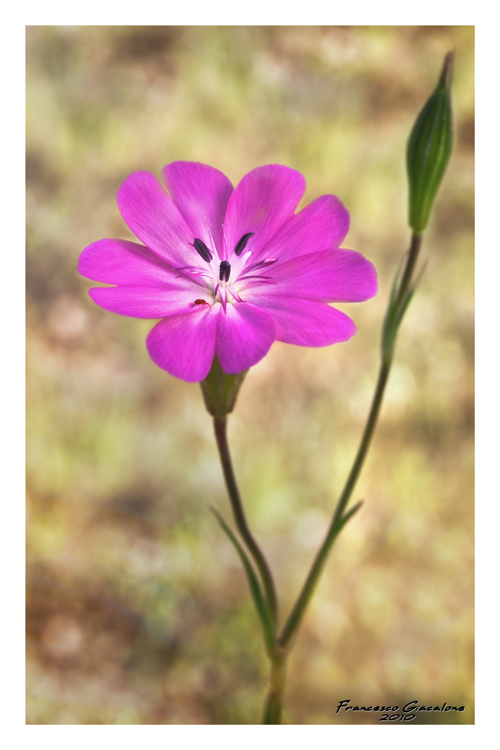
{"x": 400, "y": 298}
{"x": 297, "y": 613}
{"x": 220, "y": 426}
{"x": 415, "y": 245}
{"x": 292, "y": 624}
{"x": 274, "y": 703}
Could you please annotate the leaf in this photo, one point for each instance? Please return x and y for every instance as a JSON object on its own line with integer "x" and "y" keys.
{"x": 389, "y": 330}
{"x": 403, "y": 308}
{"x": 255, "y": 589}
{"x": 345, "y": 518}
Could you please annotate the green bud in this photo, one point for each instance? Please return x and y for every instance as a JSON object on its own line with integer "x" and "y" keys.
{"x": 429, "y": 149}
{"x": 221, "y": 389}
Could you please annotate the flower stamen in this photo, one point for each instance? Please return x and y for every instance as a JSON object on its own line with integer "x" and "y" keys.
{"x": 260, "y": 264}
{"x": 223, "y": 298}
{"x": 202, "y": 250}
{"x": 241, "y": 244}
{"x": 234, "y": 295}
{"x": 224, "y": 270}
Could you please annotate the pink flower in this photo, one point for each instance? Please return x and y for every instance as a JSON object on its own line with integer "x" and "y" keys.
{"x": 227, "y": 270}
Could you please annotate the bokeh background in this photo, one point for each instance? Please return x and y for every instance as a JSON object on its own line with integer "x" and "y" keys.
{"x": 138, "y": 611}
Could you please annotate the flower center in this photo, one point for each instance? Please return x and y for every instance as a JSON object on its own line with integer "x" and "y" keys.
{"x": 214, "y": 279}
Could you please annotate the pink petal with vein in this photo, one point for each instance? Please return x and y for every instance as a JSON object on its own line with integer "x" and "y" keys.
{"x": 321, "y": 225}
{"x": 122, "y": 262}
{"x": 308, "y": 323}
{"x": 328, "y": 276}
{"x": 147, "y": 286}
{"x": 201, "y": 194}
{"x": 184, "y": 345}
{"x": 144, "y": 301}
{"x": 244, "y": 336}
{"x": 154, "y": 218}
{"x": 264, "y": 200}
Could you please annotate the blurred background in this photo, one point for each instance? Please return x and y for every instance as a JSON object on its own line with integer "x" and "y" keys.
{"x": 138, "y": 610}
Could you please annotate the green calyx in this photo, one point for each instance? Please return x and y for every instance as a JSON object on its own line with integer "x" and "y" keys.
{"x": 220, "y": 389}
{"x": 429, "y": 149}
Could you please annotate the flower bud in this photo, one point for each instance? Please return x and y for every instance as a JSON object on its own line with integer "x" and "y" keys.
{"x": 429, "y": 148}
{"x": 221, "y": 389}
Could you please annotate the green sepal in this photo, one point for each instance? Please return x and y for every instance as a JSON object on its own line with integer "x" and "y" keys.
{"x": 429, "y": 148}
{"x": 220, "y": 389}
{"x": 255, "y": 589}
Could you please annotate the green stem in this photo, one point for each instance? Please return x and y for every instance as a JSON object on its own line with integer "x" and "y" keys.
{"x": 274, "y": 703}
{"x": 297, "y": 613}
{"x": 415, "y": 245}
{"x": 220, "y": 426}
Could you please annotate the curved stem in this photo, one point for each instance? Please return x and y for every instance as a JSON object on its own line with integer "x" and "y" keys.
{"x": 295, "y": 618}
{"x": 297, "y": 613}
{"x": 220, "y": 426}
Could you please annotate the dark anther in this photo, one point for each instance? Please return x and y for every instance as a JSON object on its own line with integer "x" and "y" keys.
{"x": 202, "y": 250}
{"x": 224, "y": 270}
{"x": 242, "y": 243}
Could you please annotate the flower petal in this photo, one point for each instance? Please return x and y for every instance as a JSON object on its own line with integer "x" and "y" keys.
{"x": 147, "y": 286}
{"x": 201, "y": 194}
{"x": 146, "y": 301}
{"x": 122, "y": 262}
{"x": 321, "y": 225}
{"x": 154, "y": 218}
{"x": 184, "y": 345}
{"x": 327, "y": 276}
{"x": 307, "y": 323}
{"x": 244, "y": 336}
{"x": 264, "y": 200}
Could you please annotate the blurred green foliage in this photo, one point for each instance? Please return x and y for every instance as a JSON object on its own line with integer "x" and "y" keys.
{"x": 138, "y": 610}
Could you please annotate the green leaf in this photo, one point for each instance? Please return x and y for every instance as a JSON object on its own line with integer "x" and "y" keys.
{"x": 388, "y": 329}
{"x": 391, "y": 328}
{"x": 345, "y": 518}
{"x": 396, "y": 312}
{"x": 403, "y": 307}
{"x": 255, "y": 589}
